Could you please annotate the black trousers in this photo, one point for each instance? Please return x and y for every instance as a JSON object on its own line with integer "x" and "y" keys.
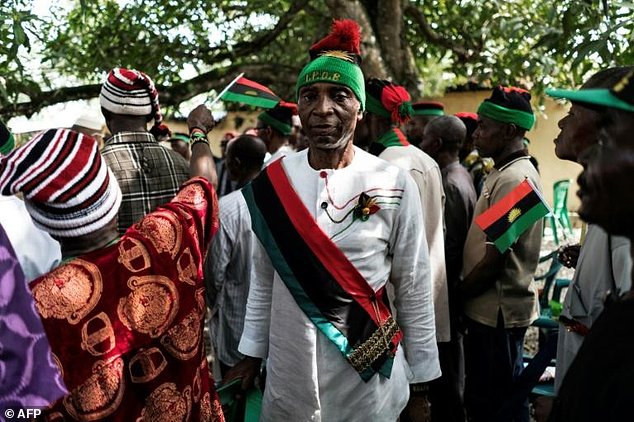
{"x": 493, "y": 362}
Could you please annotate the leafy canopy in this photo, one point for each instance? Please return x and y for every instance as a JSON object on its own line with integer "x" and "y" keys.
{"x": 194, "y": 46}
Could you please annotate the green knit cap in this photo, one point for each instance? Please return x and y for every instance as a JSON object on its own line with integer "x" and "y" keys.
{"x": 7, "y": 142}
{"x": 335, "y": 60}
{"x": 428, "y": 108}
{"x": 180, "y": 137}
{"x": 334, "y": 70}
{"x": 388, "y": 100}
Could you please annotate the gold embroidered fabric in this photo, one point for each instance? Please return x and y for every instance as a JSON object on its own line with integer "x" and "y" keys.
{"x": 125, "y": 323}
{"x": 370, "y": 350}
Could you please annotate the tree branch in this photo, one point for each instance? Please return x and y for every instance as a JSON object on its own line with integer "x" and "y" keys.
{"x": 43, "y": 99}
{"x": 434, "y": 37}
{"x": 245, "y": 48}
{"x": 373, "y": 64}
{"x": 172, "y": 95}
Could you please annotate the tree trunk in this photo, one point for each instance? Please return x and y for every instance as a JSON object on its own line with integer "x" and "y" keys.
{"x": 386, "y": 54}
{"x": 373, "y": 65}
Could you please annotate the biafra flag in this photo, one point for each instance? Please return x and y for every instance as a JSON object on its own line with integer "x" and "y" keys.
{"x": 252, "y": 93}
{"x": 507, "y": 219}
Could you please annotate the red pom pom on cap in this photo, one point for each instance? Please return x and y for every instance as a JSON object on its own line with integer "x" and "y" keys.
{"x": 345, "y": 35}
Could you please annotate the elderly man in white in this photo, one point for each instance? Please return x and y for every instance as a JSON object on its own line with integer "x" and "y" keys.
{"x": 333, "y": 226}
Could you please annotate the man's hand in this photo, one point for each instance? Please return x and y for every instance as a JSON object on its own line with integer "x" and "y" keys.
{"x": 247, "y": 369}
{"x": 200, "y": 118}
{"x": 568, "y": 255}
{"x": 418, "y": 408}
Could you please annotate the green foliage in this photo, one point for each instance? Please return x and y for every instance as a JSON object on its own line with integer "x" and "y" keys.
{"x": 15, "y": 21}
{"x": 533, "y": 43}
{"x": 527, "y": 42}
{"x": 175, "y": 40}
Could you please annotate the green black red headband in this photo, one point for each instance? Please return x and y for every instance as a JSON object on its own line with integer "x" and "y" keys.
{"x": 509, "y": 105}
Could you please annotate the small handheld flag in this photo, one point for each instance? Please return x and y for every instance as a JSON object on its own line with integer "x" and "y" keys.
{"x": 505, "y": 221}
{"x": 246, "y": 91}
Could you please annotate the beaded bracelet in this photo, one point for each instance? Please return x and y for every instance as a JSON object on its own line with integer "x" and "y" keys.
{"x": 198, "y": 135}
{"x": 200, "y": 141}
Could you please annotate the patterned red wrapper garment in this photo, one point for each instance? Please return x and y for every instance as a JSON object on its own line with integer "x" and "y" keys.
{"x": 125, "y": 322}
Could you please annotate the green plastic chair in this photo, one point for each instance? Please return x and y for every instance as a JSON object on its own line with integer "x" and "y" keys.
{"x": 546, "y": 295}
{"x": 560, "y": 209}
{"x": 550, "y": 308}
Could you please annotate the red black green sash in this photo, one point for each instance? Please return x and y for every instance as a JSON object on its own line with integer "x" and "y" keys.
{"x": 326, "y": 286}
{"x": 392, "y": 138}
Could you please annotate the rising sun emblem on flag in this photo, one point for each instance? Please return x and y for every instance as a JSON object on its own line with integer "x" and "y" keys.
{"x": 513, "y": 214}
{"x": 506, "y": 220}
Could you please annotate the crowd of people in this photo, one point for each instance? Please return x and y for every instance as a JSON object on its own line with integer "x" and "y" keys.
{"x": 341, "y": 267}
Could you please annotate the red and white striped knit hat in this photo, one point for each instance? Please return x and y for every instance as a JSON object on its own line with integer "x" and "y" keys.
{"x": 130, "y": 92}
{"x": 68, "y": 188}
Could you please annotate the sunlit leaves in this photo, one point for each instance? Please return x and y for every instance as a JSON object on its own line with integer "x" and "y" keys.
{"x": 533, "y": 43}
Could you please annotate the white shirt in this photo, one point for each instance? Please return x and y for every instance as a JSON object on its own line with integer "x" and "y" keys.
{"x": 428, "y": 178}
{"x": 227, "y": 272}
{"x": 307, "y": 376}
{"x": 36, "y": 250}
{"x": 281, "y": 152}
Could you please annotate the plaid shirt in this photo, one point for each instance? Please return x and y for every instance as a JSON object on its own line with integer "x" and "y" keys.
{"x": 149, "y": 175}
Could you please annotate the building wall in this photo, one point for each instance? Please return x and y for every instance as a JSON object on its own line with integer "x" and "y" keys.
{"x": 541, "y": 141}
{"x": 541, "y": 147}
{"x": 235, "y": 121}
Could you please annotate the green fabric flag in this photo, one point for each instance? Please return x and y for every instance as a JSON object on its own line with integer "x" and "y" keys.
{"x": 505, "y": 221}
{"x": 248, "y": 92}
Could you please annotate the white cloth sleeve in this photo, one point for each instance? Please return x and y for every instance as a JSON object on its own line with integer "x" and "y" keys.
{"x": 411, "y": 278}
{"x": 216, "y": 264}
{"x": 255, "y": 335}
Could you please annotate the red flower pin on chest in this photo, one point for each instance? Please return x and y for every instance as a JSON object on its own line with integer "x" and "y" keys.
{"x": 365, "y": 207}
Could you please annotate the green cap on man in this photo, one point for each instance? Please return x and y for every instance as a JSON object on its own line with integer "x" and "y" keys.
{"x": 620, "y": 96}
{"x": 335, "y": 59}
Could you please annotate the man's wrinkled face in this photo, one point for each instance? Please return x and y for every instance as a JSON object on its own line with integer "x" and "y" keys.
{"x": 578, "y": 132}
{"x": 605, "y": 185}
{"x": 489, "y": 137}
{"x": 329, "y": 114}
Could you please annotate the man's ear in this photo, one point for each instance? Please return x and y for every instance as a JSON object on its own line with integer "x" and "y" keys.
{"x": 438, "y": 144}
{"x": 511, "y": 131}
{"x": 359, "y": 115}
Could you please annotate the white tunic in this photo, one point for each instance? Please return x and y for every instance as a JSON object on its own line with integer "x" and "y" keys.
{"x": 307, "y": 376}
{"x": 36, "y": 250}
{"x": 428, "y": 178}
